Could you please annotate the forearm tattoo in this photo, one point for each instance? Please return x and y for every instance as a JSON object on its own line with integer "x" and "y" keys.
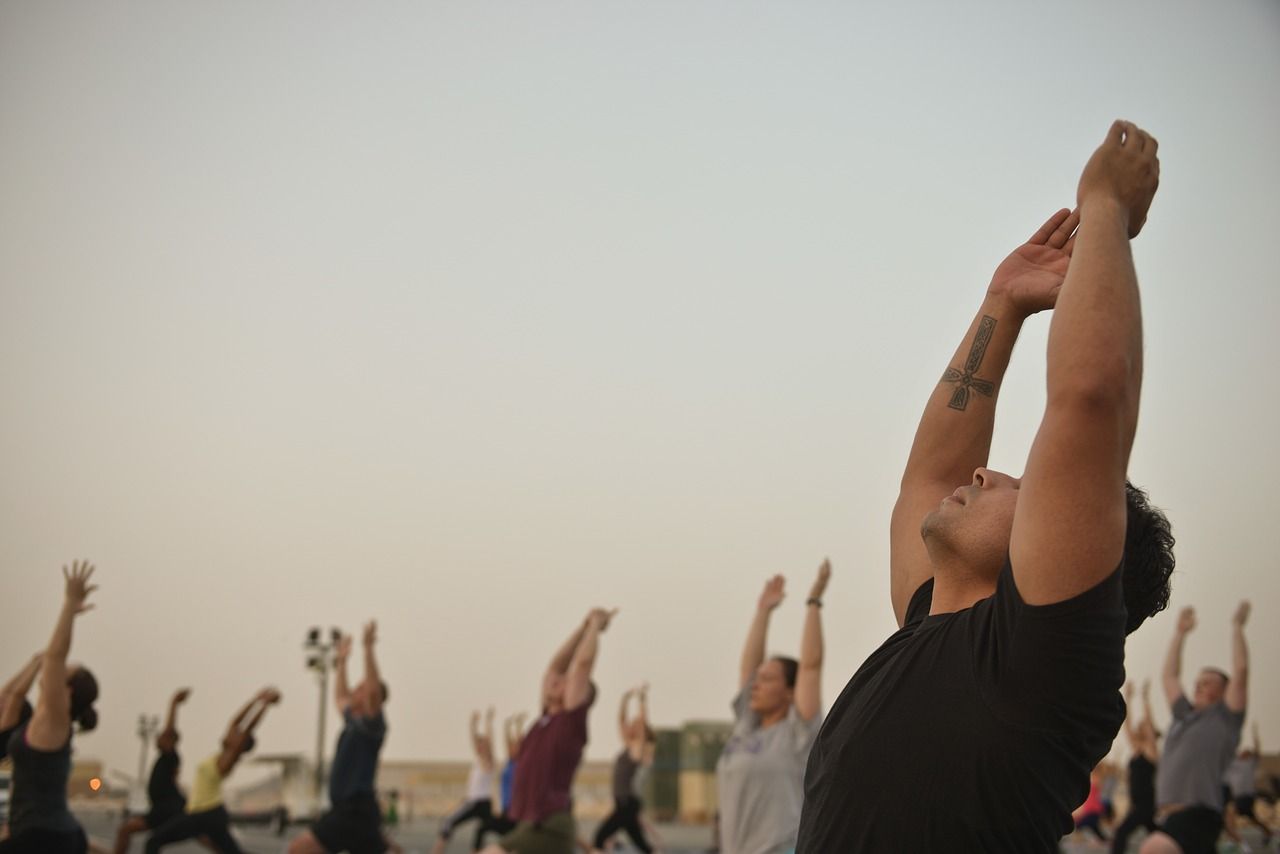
{"x": 967, "y": 379}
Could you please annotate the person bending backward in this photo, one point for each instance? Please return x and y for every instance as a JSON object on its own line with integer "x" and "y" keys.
{"x": 1013, "y": 595}
{"x": 167, "y": 800}
{"x": 40, "y": 748}
{"x": 1200, "y": 745}
{"x": 478, "y": 805}
{"x": 1144, "y": 741}
{"x": 542, "y": 801}
{"x": 638, "y": 741}
{"x": 205, "y": 815}
{"x": 777, "y": 713}
{"x": 15, "y": 709}
{"x": 354, "y": 821}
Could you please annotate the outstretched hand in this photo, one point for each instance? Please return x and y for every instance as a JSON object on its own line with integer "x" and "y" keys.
{"x": 78, "y": 586}
{"x": 1031, "y": 277}
{"x": 270, "y": 696}
{"x": 773, "y": 594}
{"x": 181, "y": 695}
{"x": 343, "y": 651}
{"x": 1242, "y": 614}
{"x": 1187, "y": 620}
{"x": 1125, "y": 171}
{"x": 371, "y": 633}
{"x": 820, "y": 583}
{"x": 601, "y": 617}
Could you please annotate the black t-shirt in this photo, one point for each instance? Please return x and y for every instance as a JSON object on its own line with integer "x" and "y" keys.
{"x": 1142, "y": 784}
{"x": 971, "y": 731}
{"x": 162, "y": 787}
{"x": 355, "y": 761}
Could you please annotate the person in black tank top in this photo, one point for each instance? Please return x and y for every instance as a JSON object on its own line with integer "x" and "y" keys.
{"x": 638, "y": 741}
{"x": 167, "y": 800}
{"x": 1013, "y": 595}
{"x": 1144, "y": 741}
{"x": 39, "y": 820}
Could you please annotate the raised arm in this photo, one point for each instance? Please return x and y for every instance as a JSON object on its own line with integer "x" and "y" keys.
{"x": 954, "y": 435}
{"x": 1069, "y": 526}
{"x": 169, "y": 735}
{"x": 642, "y": 701}
{"x": 808, "y": 693}
{"x": 560, "y": 662}
{"x": 577, "y": 689}
{"x": 242, "y": 726}
{"x": 51, "y": 722}
{"x": 758, "y": 634}
{"x": 372, "y": 676}
{"x": 15, "y": 692}
{"x": 1171, "y": 676}
{"x": 342, "y": 687}
{"x": 624, "y": 731}
{"x": 1257, "y": 741}
{"x": 1237, "y": 696}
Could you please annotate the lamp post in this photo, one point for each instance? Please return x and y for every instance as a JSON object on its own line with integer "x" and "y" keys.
{"x": 320, "y": 659}
{"x": 147, "y": 728}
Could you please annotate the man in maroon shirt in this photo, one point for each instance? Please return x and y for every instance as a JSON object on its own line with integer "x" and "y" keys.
{"x": 542, "y": 802}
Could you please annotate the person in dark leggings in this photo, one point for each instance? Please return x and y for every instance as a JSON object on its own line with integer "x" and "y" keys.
{"x": 39, "y": 820}
{"x": 637, "y": 754}
{"x": 15, "y": 709}
{"x": 1144, "y": 741}
{"x": 167, "y": 800}
{"x": 206, "y": 815}
{"x": 478, "y": 805}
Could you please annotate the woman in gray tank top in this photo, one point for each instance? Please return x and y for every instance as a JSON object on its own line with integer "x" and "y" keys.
{"x": 638, "y": 741}
{"x": 39, "y": 820}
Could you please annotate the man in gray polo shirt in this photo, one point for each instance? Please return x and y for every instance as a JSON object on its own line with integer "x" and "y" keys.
{"x": 1201, "y": 743}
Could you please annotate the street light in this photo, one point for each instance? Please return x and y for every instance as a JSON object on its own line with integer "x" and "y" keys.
{"x": 147, "y": 728}
{"x": 320, "y": 658}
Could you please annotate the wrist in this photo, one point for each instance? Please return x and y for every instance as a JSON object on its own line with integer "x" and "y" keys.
{"x": 1101, "y": 205}
{"x": 1003, "y": 307}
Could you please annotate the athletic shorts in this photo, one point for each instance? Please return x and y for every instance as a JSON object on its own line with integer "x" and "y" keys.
{"x": 353, "y": 825}
{"x": 46, "y": 842}
{"x": 1195, "y": 829}
{"x": 554, "y": 835}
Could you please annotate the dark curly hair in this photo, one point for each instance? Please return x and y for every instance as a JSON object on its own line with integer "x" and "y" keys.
{"x": 1148, "y": 558}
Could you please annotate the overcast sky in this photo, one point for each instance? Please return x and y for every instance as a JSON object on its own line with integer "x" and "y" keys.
{"x": 470, "y": 316}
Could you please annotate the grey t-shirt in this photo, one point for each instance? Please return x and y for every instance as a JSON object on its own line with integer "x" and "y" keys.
{"x": 761, "y": 780}
{"x": 1197, "y": 751}
{"x": 1242, "y": 776}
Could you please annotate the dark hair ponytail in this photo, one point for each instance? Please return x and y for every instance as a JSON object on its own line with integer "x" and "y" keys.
{"x": 84, "y": 691}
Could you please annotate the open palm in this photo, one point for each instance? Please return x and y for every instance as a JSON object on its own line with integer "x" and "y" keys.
{"x": 1032, "y": 275}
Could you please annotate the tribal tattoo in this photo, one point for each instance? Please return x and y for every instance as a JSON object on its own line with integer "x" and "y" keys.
{"x": 966, "y": 379}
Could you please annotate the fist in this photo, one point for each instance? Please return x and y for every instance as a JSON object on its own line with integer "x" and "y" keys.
{"x": 270, "y": 696}
{"x": 1187, "y": 620}
{"x": 1124, "y": 170}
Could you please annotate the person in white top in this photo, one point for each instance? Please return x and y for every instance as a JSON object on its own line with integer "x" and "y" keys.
{"x": 478, "y": 804}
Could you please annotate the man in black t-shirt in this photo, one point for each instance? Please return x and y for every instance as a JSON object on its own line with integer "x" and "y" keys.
{"x": 354, "y": 820}
{"x": 1011, "y": 594}
{"x": 163, "y": 793}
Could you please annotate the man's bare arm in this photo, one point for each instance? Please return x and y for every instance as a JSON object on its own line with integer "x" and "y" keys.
{"x": 1171, "y": 675}
{"x": 577, "y": 688}
{"x": 341, "y": 687}
{"x": 559, "y": 665}
{"x": 954, "y": 434}
{"x": 1238, "y": 688}
{"x": 1069, "y": 527}
{"x": 372, "y": 675}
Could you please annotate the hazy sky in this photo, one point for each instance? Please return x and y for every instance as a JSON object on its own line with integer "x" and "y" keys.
{"x": 471, "y": 316}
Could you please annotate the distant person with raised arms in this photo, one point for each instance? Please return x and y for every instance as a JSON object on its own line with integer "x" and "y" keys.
{"x": 629, "y": 769}
{"x": 354, "y": 820}
{"x": 1201, "y": 743}
{"x": 40, "y": 822}
{"x": 166, "y": 799}
{"x": 777, "y": 713}
{"x": 975, "y": 726}
{"x": 206, "y": 814}
{"x": 478, "y": 803}
{"x": 1144, "y": 741}
{"x": 542, "y": 801}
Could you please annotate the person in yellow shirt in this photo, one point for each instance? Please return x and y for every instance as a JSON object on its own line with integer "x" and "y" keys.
{"x": 206, "y": 816}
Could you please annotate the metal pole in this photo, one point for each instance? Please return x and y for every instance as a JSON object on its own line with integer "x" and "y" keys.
{"x": 324, "y": 691}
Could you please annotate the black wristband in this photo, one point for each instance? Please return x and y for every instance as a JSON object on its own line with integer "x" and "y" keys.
{"x": 813, "y": 600}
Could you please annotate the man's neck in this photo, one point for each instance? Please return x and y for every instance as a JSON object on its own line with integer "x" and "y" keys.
{"x": 956, "y": 588}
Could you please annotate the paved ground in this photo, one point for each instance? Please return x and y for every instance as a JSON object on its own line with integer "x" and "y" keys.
{"x": 418, "y": 837}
